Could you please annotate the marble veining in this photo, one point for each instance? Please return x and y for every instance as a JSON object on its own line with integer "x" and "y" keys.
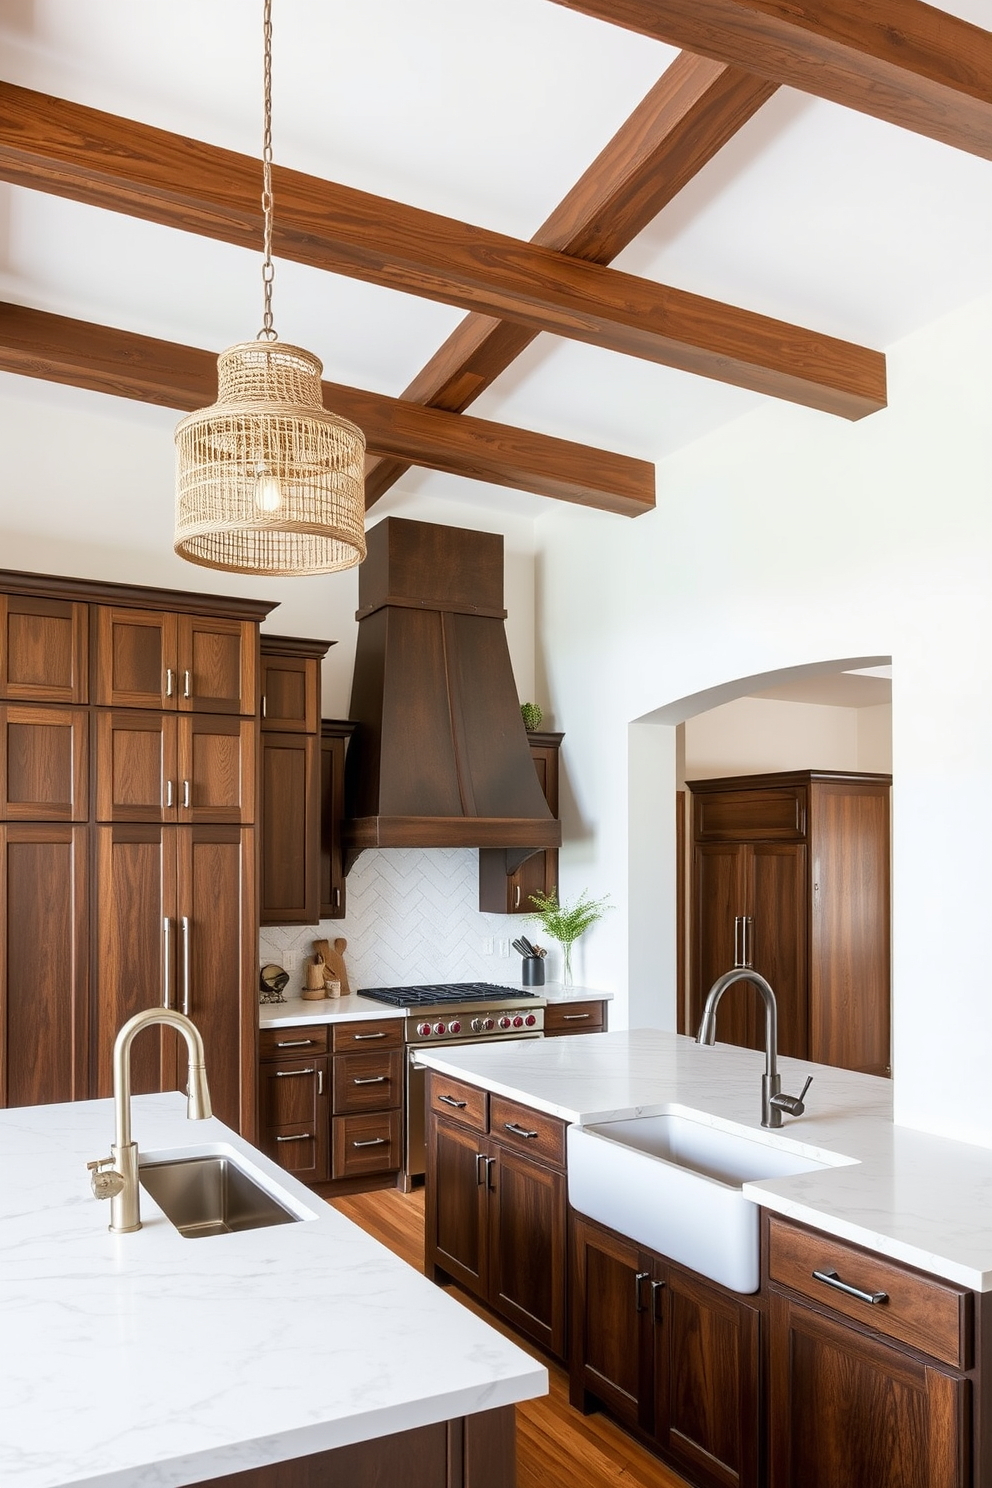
{"x": 147, "y": 1359}
{"x": 921, "y": 1199}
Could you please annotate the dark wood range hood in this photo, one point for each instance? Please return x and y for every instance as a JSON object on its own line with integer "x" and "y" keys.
{"x": 439, "y": 756}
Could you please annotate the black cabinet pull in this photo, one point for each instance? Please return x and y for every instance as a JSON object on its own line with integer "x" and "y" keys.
{"x": 831, "y": 1279}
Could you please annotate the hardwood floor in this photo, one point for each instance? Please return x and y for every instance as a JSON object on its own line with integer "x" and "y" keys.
{"x": 556, "y": 1446}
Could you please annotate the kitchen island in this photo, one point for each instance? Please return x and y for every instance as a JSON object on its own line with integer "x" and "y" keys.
{"x": 149, "y": 1358}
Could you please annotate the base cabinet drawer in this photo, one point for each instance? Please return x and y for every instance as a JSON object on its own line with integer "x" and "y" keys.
{"x": 301, "y": 1150}
{"x": 367, "y": 1082}
{"x": 564, "y": 1018}
{"x": 369, "y": 1143}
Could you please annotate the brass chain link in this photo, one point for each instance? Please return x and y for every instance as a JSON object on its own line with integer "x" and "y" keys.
{"x": 268, "y": 331}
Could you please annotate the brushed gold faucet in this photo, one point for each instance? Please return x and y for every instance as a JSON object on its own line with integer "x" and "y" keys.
{"x": 116, "y": 1177}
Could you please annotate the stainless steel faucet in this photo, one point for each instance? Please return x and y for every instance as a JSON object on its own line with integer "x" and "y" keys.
{"x": 773, "y": 1102}
{"x": 116, "y": 1177}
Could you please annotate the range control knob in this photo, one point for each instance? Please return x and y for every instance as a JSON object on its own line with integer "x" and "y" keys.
{"x": 439, "y": 1028}
{"x": 518, "y": 1022}
{"x": 454, "y": 1026}
{"x": 478, "y": 1025}
{"x": 530, "y": 1020}
{"x": 424, "y": 1029}
{"x": 504, "y": 1021}
{"x": 488, "y": 1025}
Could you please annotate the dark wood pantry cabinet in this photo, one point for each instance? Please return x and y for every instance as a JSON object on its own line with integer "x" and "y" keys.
{"x": 128, "y": 738}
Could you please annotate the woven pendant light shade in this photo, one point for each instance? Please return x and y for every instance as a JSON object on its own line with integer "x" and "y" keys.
{"x": 267, "y": 481}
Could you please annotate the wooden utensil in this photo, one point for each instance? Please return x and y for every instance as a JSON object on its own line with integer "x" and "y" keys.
{"x": 332, "y": 956}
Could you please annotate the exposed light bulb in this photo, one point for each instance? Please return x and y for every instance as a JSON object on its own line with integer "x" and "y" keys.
{"x": 268, "y": 492}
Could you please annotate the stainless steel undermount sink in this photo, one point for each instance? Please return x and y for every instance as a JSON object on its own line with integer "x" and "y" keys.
{"x": 675, "y": 1184}
{"x": 208, "y": 1193}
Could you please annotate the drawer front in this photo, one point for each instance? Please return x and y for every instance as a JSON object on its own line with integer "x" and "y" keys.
{"x": 368, "y": 1082}
{"x": 300, "y": 1149}
{"x": 366, "y": 1144}
{"x": 466, "y": 1104}
{"x": 292, "y": 1043}
{"x": 355, "y": 1037}
{"x": 574, "y": 1017}
{"x": 291, "y": 1093}
{"x": 527, "y": 1130}
{"x": 931, "y": 1315}
{"x": 772, "y": 815}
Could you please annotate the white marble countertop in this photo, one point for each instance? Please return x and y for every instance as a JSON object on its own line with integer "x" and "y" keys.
{"x": 921, "y": 1199}
{"x": 148, "y": 1359}
{"x": 296, "y": 1011}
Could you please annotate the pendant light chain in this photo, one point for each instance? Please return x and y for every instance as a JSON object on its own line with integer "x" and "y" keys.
{"x": 268, "y": 331}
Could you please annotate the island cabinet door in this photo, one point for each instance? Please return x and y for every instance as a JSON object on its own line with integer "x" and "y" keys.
{"x": 848, "y": 1409}
{"x": 706, "y": 1373}
{"x": 458, "y": 1164}
{"x": 610, "y": 1356}
{"x": 527, "y": 1246}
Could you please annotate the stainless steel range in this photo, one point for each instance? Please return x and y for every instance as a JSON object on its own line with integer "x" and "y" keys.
{"x": 454, "y": 1013}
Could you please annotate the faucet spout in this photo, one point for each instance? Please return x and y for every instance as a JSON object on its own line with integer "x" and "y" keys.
{"x": 771, "y": 1083}
{"x": 120, "y": 1183}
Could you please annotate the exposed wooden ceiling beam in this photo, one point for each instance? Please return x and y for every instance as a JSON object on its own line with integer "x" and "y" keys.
{"x": 72, "y": 151}
{"x": 36, "y": 344}
{"x": 899, "y": 60}
{"x": 696, "y": 106}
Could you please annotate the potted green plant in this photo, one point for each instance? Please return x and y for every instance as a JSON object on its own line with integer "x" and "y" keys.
{"x": 566, "y": 922}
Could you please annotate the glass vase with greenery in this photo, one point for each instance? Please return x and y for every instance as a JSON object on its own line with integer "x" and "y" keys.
{"x": 566, "y": 922}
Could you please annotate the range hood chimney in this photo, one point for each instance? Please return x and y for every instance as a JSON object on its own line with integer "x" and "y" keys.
{"x": 439, "y": 756}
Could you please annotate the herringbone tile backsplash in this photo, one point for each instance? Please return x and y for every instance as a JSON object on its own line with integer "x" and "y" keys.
{"x": 412, "y": 917}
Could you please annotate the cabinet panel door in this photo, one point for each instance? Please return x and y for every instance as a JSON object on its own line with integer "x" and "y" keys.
{"x": 719, "y": 905}
{"x": 777, "y": 938}
{"x": 136, "y": 766}
{"x": 136, "y": 663}
{"x": 457, "y": 1175}
{"x": 332, "y": 879}
{"x": 216, "y": 771}
{"x": 847, "y": 1411}
{"x": 136, "y": 945}
{"x": 289, "y": 862}
{"x": 44, "y": 763}
{"x": 218, "y": 665}
{"x": 503, "y": 893}
{"x": 216, "y": 963}
{"x": 527, "y": 1246}
{"x": 43, "y": 964}
{"x": 43, "y": 649}
{"x": 289, "y": 690}
{"x": 706, "y": 1379}
{"x": 608, "y": 1346}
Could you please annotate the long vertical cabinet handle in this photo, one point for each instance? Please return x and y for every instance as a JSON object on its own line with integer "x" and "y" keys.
{"x": 656, "y": 1290}
{"x": 737, "y": 938}
{"x": 167, "y": 961}
{"x": 748, "y": 941}
{"x": 186, "y": 987}
{"x": 639, "y": 1279}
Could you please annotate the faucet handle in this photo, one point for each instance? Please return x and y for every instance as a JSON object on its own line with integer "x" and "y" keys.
{"x": 793, "y": 1104}
{"x": 105, "y": 1180}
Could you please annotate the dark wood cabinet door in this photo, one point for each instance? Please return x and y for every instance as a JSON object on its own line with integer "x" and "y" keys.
{"x": 776, "y": 940}
{"x": 43, "y": 964}
{"x": 216, "y": 769}
{"x": 136, "y": 766}
{"x": 43, "y": 649}
{"x": 217, "y": 665}
{"x": 216, "y": 963}
{"x": 847, "y": 1410}
{"x": 706, "y": 1379}
{"x": 333, "y": 743}
{"x": 503, "y": 893}
{"x": 136, "y": 946}
{"x": 136, "y": 663}
{"x": 290, "y": 693}
{"x": 719, "y": 906}
{"x": 44, "y": 763}
{"x": 293, "y": 1116}
{"x": 457, "y": 1208}
{"x": 527, "y": 1246}
{"x": 289, "y": 815}
{"x": 609, "y": 1346}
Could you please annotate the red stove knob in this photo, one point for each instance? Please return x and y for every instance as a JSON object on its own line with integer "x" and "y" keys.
{"x": 504, "y": 1022}
{"x": 439, "y": 1028}
{"x": 424, "y": 1029}
{"x": 518, "y": 1022}
{"x": 454, "y": 1026}
{"x": 530, "y": 1020}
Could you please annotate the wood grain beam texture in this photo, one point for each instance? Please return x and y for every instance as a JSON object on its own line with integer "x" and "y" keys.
{"x": 899, "y": 60}
{"x": 691, "y": 112}
{"x": 72, "y": 151}
{"x": 57, "y": 349}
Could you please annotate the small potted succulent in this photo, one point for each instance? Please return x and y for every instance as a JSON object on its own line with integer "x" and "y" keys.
{"x": 566, "y": 922}
{"x": 531, "y": 715}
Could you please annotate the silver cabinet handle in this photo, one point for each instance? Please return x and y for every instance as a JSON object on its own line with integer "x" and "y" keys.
{"x": 167, "y": 961}
{"x": 294, "y": 1043}
{"x": 286, "y": 1074}
{"x": 748, "y": 941}
{"x": 831, "y": 1279}
{"x": 480, "y": 1169}
{"x": 372, "y": 1142}
{"x": 337, "y": 898}
{"x": 371, "y": 1080}
{"x": 168, "y": 681}
{"x": 574, "y": 1017}
{"x": 186, "y": 794}
{"x": 264, "y": 701}
{"x": 516, "y": 898}
{"x": 358, "y": 1037}
{"x": 656, "y": 1289}
{"x": 320, "y": 1082}
{"x": 490, "y": 1165}
{"x": 449, "y": 1100}
{"x": 519, "y": 1131}
{"x": 639, "y": 1279}
{"x": 299, "y": 1137}
{"x": 187, "y": 687}
{"x": 737, "y": 946}
{"x": 168, "y": 793}
{"x": 184, "y": 923}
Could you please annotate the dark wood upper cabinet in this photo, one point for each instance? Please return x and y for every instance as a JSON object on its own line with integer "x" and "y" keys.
{"x": 178, "y": 662}
{"x": 154, "y": 766}
{"x": 290, "y": 683}
{"x": 44, "y": 763}
{"x": 43, "y": 649}
{"x": 334, "y": 736}
{"x": 504, "y": 889}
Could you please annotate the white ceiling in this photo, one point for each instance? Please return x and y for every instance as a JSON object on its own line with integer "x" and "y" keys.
{"x": 488, "y": 113}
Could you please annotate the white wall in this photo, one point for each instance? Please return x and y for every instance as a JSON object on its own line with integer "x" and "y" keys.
{"x": 785, "y": 539}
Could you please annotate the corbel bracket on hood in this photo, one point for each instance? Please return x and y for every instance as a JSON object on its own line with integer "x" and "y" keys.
{"x": 439, "y": 757}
